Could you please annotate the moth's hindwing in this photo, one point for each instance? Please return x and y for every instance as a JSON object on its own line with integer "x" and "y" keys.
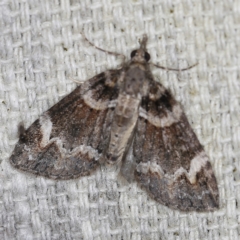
{"x": 67, "y": 140}
{"x": 171, "y": 163}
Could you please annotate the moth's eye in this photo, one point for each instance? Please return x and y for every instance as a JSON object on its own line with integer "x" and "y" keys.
{"x": 133, "y": 53}
{"x": 147, "y": 56}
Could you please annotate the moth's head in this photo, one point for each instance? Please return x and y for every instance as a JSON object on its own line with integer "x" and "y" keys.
{"x": 141, "y": 55}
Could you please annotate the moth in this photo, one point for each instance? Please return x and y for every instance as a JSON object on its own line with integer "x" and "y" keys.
{"x": 123, "y": 116}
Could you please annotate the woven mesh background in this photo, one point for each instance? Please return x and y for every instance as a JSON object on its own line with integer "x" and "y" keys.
{"x": 42, "y": 51}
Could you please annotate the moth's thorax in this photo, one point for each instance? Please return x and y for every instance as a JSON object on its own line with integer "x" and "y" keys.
{"x": 135, "y": 80}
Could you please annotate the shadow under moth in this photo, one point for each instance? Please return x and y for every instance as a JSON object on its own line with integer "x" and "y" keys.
{"x": 124, "y": 117}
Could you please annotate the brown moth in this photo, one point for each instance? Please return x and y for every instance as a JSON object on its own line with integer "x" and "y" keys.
{"x": 123, "y": 116}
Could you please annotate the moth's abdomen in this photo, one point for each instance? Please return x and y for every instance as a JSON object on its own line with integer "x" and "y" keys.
{"x": 124, "y": 122}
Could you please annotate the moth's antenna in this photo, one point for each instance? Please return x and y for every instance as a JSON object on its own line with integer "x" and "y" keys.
{"x": 143, "y": 46}
{"x": 174, "y": 69}
{"x": 103, "y": 50}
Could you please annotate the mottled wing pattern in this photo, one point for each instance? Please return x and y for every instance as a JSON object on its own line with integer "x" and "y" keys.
{"x": 67, "y": 140}
{"x": 171, "y": 163}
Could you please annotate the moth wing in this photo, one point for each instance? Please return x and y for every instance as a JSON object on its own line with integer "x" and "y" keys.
{"x": 170, "y": 162}
{"x": 67, "y": 140}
